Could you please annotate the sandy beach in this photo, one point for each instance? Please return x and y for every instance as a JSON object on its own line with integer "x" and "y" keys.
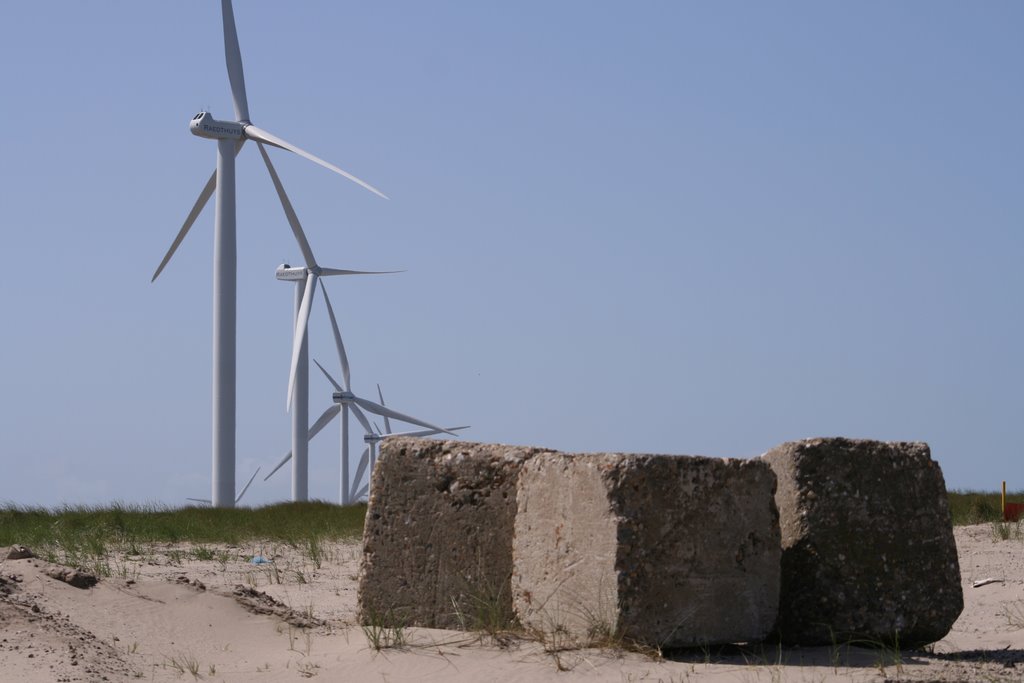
{"x": 184, "y": 612}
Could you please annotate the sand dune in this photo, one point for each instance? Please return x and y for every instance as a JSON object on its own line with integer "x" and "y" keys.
{"x": 167, "y": 616}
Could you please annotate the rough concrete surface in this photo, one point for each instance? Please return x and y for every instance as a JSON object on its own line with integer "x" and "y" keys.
{"x": 437, "y": 546}
{"x": 664, "y": 550}
{"x": 868, "y": 550}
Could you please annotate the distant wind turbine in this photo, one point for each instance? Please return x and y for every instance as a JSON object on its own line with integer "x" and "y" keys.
{"x": 230, "y": 136}
{"x": 305, "y": 280}
{"x": 345, "y": 400}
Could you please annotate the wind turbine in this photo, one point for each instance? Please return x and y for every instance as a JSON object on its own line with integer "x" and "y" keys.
{"x": 368, "y": 457}
{"x": 207, "y": 501}
{"x": 345, "y": 400}
{"x": 372, "y": 437}
{"x": 230, "y": 136}
{"x": 305, "y": 280}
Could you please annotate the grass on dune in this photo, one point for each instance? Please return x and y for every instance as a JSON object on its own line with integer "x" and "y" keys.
{"x": 95, "y": 527}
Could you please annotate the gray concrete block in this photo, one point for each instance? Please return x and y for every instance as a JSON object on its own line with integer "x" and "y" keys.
{"x": 664, "y": 550}
{"x": 438, "y": 537}
{"x": 868, "y": 548}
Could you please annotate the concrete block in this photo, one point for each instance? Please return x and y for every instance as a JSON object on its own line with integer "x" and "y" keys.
{"x": 437, "y": 546}
{"x": 867, "y": 543}
{"x": 664, "y": 550}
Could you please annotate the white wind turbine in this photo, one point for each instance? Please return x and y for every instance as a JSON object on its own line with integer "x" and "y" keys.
{"x": 230, "y": 136}
{"x": 305, "y": 280}
{"x": 345, "y": 400}
{"x": 207, "y": 501}
{"x": 369, "y": 454}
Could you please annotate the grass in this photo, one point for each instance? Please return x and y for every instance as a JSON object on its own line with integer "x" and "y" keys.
{"x": 92, "y": 529}
{"x": 92, "y": 538}
{"x": 978, "y": 507}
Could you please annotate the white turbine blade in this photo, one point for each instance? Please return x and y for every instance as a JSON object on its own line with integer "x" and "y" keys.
{"x": 361, "y": 492}
{"x": 337, "y": 387}
{"x": 363, "y": 462}
{"x": 289, "y": 212}
{"x": 263, "y": 136}
{"x": 342, "y": 356}
{"x": 428, "y": 432}
{"x": 387, "y": 423}
{"x": 338, "y": 271}
{"x": 361, "y": 416}
{"x": 376, "y": 428}
{"x": 197, "y": 208}
{"x": 300, "y": 333}
{"x": 206, "y": 501}
{"x": 320, "y": 423}
{"x": 233, "y": 56}
{"x": 247, "y": 485}
{"x": 378, "y": 409}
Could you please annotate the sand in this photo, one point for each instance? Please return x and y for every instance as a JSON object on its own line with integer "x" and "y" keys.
{"x": 165, "y": 615}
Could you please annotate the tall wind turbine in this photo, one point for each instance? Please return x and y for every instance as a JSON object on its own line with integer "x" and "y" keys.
{"x": 230, "y": 136}
{"x": 305, "y": 280}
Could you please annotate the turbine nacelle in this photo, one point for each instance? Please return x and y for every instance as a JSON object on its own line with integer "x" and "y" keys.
{"x": 291, "y": 273}
{"x": 205, "y": 126}
{"x": 343, "y": 397}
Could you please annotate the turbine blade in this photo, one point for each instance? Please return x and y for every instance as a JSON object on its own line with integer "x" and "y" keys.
{"x": 361, "y": 492}
{"x": 338, "y": 271}
{"x": 361, "y": 416}
{"x": 324, "y": 419}
{"x": 342, "y": 356}
{"x": 207, "y": 501}
{"x": 337, "y": 387}
{"x": 315, "y": 429}
{"x": 233, "y": 56}
{"x": 247, "y": 485}
{"x": 363, "y": 462}
{"x": 279, "y": 465}
{"x": 387, "y": 423}
{"x": 289, "y": 212}
{"x": 300, "y": 332}
{"x": 378, "y": 409}
{"x": 197, "y": 208}
{"x": 256, "y": 133}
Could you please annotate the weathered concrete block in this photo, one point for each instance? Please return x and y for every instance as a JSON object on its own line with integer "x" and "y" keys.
{"x": 664, "y": 550}
{"x": 437, "y": 546}
{"x": 868, "y": 549}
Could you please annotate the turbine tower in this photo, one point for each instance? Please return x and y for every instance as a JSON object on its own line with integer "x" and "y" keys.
{"x": 230, "y": 136}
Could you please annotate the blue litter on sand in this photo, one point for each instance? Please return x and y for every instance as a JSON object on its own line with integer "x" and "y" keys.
{"x": 259, "y": 559}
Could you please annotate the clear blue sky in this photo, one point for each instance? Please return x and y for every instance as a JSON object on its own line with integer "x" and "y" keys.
{"x": 656, "y": 227}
